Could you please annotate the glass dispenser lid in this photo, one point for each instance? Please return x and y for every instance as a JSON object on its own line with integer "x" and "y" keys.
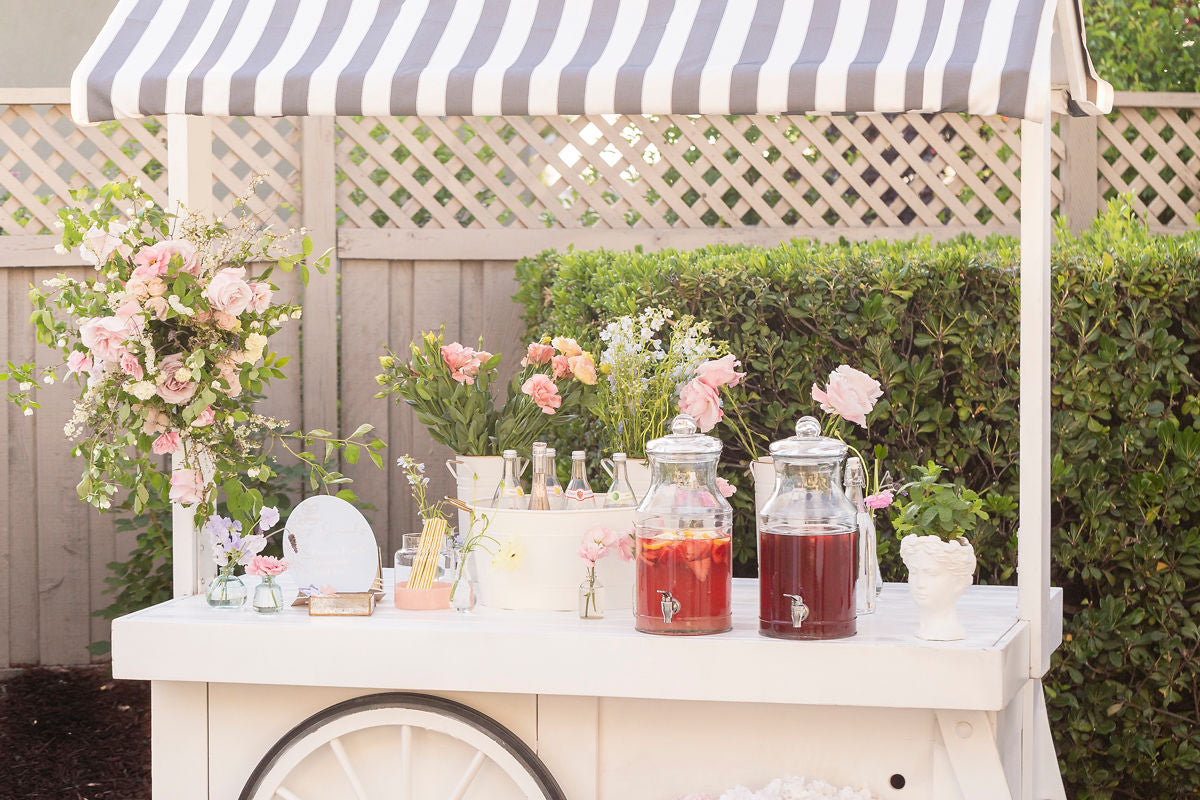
{"x": 684, "y": 439}
{"x": 808, "y": 443}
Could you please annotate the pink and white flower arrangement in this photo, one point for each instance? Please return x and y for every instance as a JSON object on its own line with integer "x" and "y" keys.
{"x": 852, "y": 395}
{"x": 168, "y": 340}
{"x": 598, "y": 542}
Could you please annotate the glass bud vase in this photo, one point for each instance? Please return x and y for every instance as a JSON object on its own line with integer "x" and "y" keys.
{"x": 591, "y": 598}
{"x": 268, "y": 597}
{"x": 227, "y": 590}
{"x": 462, "y": 594}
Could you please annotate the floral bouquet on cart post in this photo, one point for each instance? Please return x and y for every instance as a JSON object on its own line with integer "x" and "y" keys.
{"x": 168, "y": 343}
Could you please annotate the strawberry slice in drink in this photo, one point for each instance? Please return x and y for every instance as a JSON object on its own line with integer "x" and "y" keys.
{"x": 698, "y": 555}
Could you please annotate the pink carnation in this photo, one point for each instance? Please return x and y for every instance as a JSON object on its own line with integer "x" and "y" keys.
{"x": 165, "y": 444}
{"x": 720, "y": 372}
{"x": 544, "y": 393}
{"x": 187, "y": 487}
{"x": 266, "y": 565}
{"x": 701, "y": 401}
{"x": 879, "y": 500}
{"x": 538, "y": 353}
{"x": 851, "y": 394}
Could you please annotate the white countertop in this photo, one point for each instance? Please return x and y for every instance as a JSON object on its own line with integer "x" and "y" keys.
{"x": 523, "y": 652}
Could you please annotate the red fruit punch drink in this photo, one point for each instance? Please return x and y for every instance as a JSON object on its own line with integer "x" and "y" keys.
{"x": 690, "y": 568}
{"x": 816, "y": 563}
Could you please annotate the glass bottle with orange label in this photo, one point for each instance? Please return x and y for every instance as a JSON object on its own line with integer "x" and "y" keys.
{"x": 684, "y": 527}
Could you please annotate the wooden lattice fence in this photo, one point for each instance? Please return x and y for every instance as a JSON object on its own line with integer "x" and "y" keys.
{"x": 427, "y": 216}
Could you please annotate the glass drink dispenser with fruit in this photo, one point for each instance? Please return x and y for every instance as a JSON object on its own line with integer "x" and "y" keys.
{"x": 808, "y": 541}
{"x": 684, "y": 527}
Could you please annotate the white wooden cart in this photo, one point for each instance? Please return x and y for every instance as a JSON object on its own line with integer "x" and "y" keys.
{"x": 547, "y": 706}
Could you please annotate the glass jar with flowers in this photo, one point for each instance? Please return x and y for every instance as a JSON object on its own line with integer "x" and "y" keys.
{"x": 598, "y": 542}
{"x": 233, "y": 545}
{"x": 169, "y": 344}
{"x": 268, "y": 596}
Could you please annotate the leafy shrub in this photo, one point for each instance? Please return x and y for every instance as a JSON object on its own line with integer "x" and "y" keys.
{"x": 937, "y": 324}
{"x": 1149, "y": 45}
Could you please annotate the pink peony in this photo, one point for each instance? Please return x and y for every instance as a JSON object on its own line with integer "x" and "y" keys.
{"x": 165, "y": 444}
{"x": 543, "y": 392}
{"x": 262, "y": 296}
{"x": 105, "y": 337}
{"x": 266, "y": 565}
{"x": 701, "y": 401}
{"x": 204, "y": 418}
{"x": 583, "y": 368}
{"x": 229, "y": 373}
{"x": 567, "y": 346}
{"x": 879, "y": 500}
{"x": 98, "y": 244}
{"x": 154, "y": 260}
{"x": 187, "y": 487}
{"x": 78, "y": 362}
{"x": 561, "y": 366}
{"x": 851, "y": 394}
{"x": 229, "y": 292}
{"x": 131, "y": 366}
{"x": 720, "y": 372}
{"x": 538, "y": 353}
{"x": 171, "y": 388}
{"x": 726, "y": 488}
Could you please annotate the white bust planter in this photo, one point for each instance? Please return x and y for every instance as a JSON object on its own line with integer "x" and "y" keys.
{"x": 939, "y": 572}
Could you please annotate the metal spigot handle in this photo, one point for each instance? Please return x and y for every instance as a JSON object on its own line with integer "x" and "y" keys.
{"x": 799, "y": 610}
{"x": 670, "y": 606}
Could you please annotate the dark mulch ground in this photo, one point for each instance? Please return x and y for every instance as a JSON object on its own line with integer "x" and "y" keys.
{"x": 74, "y": 734}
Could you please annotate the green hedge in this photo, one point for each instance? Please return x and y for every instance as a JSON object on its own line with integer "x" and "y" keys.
{"x": 938, "y": 325}
{"x": 1151, "y": 45}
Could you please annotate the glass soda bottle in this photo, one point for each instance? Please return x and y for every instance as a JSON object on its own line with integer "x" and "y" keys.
{"x": 579, "y": 491}
{"x": 683, "y": 531}
{"x": 538, "y": 499}
{"x": 509, "y": 494}
{"x": 808, "y": 541}
{"x": 554, "y": 489}
{"x": 620, "y": 493}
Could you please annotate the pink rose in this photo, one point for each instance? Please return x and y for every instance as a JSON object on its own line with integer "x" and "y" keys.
{"x": 266, "y": 565}
{"x": 139, "y": 279}
{"x": 543, "y": 392}
{"x": 262, "y": 295}
{"x": 105, "y": 337}
{"x": 851, "y": 394}
{"x": 701, "y": 401}
{"x": 138, "y": 289}
{"x": 132, "y": 367}
{"x": 165, "y": 444}
{"x": 158, "y": 307}
{"x": 229, "y": 292}
{"x": 171, "y": 388}
{"x": 225, "y": 322}
{"x": 583, "y": 368}
{"x": 187, "y": 487}
{"x": 538, "y": 353}
{"x": 720, "y": 372}
{"x": 726, "y": 488}
{"x": 229, "y": 373}
{"x": 78, "y": 362}
{"x": 626, "y": 545}
{"x": 567, "y": 346}
{"x": 562, "y": 367}
{"x": 154, "y": 260}
{"x": 156, "y": 287}
{"x": 481, "y": 358}
{"x": 205, "y": 418}
{"x": 98, "y": 244}
{"x": 879, "y": 500}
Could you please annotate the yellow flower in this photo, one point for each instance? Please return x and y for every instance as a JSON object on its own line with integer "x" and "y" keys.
{"x": 510, "y": 556}
{"x": 387, "y": 362}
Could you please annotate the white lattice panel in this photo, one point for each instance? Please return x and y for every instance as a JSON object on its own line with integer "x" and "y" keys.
{"x": 1151, "y": 153}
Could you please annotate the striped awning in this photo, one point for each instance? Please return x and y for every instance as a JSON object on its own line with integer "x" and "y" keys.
{"x": 511, "y": 57}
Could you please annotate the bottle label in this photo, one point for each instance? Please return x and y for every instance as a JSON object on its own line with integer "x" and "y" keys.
{"x": 580, "y": 494}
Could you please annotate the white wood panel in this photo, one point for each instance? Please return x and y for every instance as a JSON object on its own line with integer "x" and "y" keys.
{"x": 180, "y": 740}
{"x": 22, "y": 455}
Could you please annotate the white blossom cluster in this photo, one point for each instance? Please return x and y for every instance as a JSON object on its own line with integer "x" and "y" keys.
{"x": 798, "y": 789}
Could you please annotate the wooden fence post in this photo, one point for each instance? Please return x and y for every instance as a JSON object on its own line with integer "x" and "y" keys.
{"x": 318, "y": 331}
{"x": 1080, "y": 182}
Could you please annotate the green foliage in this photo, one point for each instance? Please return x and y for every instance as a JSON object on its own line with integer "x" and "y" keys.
{"x": 938, "y": 326}
{"x": 929, "y": 507}
{"x": 1150, "y": 45}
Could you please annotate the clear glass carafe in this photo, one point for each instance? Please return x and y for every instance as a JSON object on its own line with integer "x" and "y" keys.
{"x": 684, "y": 574}
{"x": 808, "y": 541}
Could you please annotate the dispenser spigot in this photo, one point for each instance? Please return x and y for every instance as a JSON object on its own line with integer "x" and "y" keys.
{"x": 799, "y": 610}
{"x": 670, "y": 606}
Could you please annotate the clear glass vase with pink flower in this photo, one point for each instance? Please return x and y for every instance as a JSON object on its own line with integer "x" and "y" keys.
{"x": 268, "y": 596}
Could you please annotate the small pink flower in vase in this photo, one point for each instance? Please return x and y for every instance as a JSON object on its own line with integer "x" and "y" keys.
{"x": 263, "y": 566}
{"x": 850, "y": 393}
{"x": 268, "y": 597}
{"x": 463, "y": 362}
{"x": 597, "y": 543}
{"x": 544, "y": 393}
{"x": 626, "y": 545}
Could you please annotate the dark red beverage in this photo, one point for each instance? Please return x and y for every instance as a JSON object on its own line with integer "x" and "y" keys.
{"x": 818, "y": 568}
{"x": 694, "y": 568}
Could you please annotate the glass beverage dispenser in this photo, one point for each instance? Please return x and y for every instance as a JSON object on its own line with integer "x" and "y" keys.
{"x": 684, "y": 539}
{"x": 808, "y": 541}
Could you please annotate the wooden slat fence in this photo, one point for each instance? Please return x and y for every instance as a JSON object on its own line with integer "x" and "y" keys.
{"x": 427, "y": 217}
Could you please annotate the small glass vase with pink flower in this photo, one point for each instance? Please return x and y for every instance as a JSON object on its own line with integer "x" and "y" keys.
{"x": 232, "y": 545}
{"x": 268, "y": 596}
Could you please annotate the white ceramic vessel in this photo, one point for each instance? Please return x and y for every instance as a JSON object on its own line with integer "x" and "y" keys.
{"x": 763, "y": 472}
{"x": 476, "y": 479}
{"x": 938, "y": 573}
{"x": 546, "y": 571}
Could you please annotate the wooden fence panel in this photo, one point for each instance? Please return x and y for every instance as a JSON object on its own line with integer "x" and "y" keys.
{"x": 427, "y": 216}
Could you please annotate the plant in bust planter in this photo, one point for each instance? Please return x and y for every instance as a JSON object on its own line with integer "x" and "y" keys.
{"x": 935, "y": 518}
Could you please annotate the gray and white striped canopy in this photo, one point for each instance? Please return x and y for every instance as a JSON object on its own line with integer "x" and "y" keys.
{"x": 487, "y": 57}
